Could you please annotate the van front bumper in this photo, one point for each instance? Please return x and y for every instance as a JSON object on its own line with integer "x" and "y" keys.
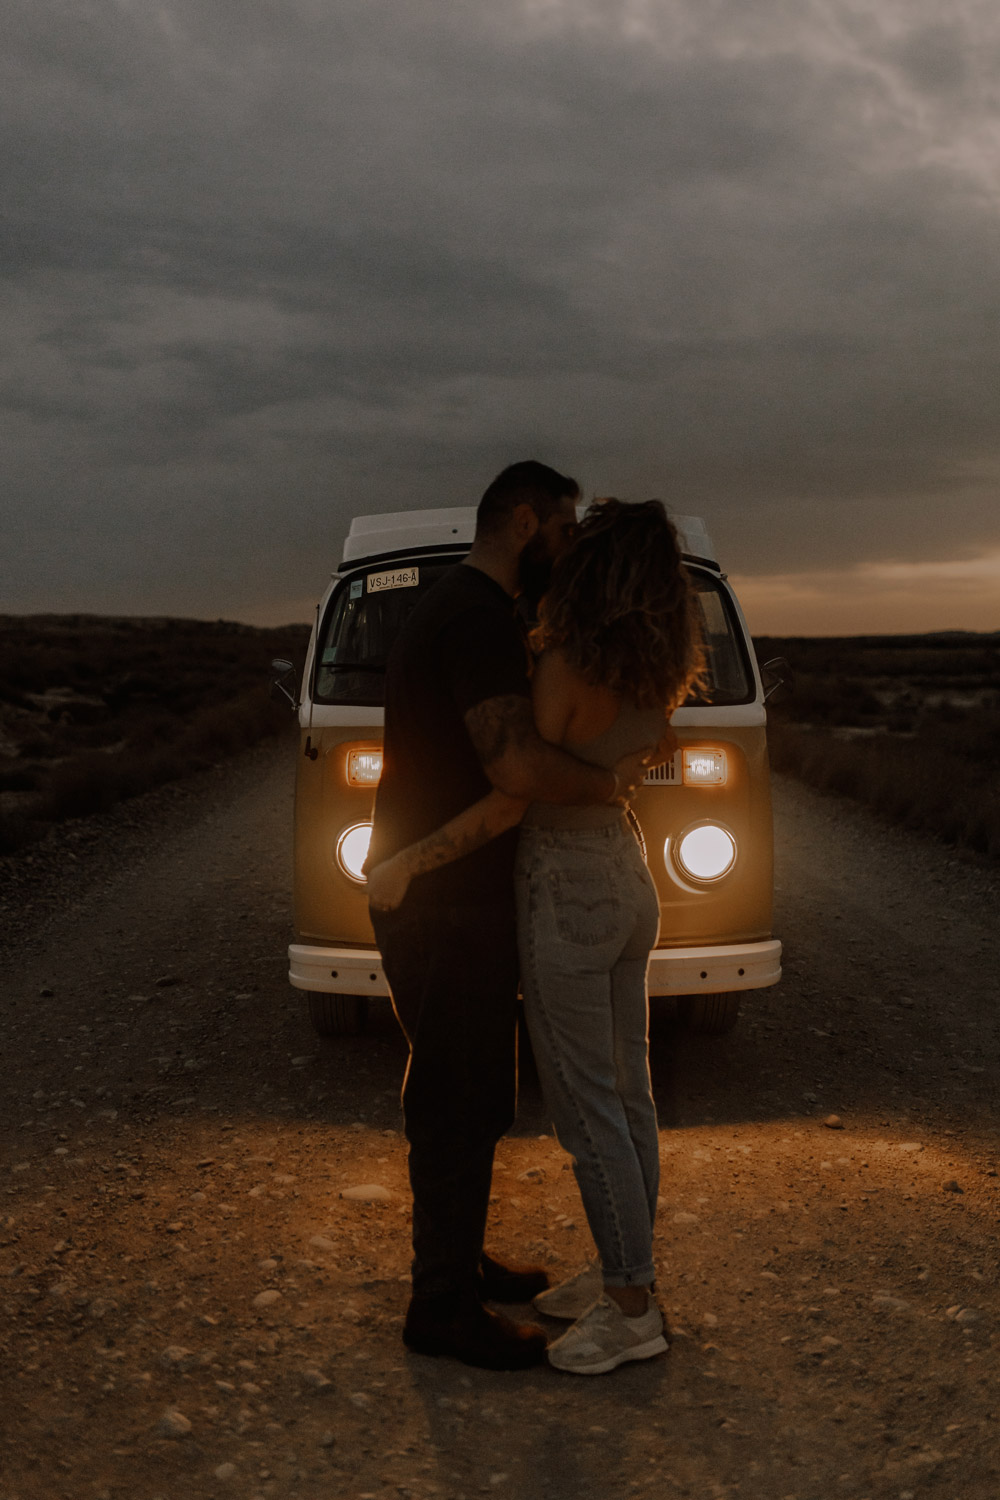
{"x": 672, "y": 971}
{"x": 337, "y": 971}
{"x": 714, "y": 970}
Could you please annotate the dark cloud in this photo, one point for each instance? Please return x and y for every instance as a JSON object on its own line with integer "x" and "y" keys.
{"x": 264, "y": 267}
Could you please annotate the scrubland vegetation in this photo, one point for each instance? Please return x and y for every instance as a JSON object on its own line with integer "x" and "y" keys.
{"x": 94, "y": 710}
{"x": 909, "y": 725}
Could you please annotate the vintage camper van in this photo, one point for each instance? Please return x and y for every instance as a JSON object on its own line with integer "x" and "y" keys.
{"x": 705, "y": 816}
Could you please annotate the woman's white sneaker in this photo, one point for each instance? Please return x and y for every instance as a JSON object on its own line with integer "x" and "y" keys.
{"x": 604, "y": 1338}
{"x": 571, "y": 1298}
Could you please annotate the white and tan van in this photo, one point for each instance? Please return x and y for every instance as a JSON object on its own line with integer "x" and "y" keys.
{"x": 705, "y": 816}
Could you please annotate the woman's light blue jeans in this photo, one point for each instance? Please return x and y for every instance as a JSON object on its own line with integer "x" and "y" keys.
{"x": 588, "y": 914}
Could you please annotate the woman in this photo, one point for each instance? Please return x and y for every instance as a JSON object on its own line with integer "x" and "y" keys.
{"x": 619, "y": 650}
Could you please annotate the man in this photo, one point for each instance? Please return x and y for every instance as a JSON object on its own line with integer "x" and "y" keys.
{"x": 458, "y": 719}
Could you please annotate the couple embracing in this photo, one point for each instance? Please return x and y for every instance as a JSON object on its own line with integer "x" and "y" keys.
{"x": 502, "y": 854}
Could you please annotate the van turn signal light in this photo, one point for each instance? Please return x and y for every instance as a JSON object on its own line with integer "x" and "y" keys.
{"x": 704, "y": 767}
{"x": 364, "y": 767}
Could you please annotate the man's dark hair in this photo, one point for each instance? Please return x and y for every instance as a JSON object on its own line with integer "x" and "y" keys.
{"x": 527, "y": 483}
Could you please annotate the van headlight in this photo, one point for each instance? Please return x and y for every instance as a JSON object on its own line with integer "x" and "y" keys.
{"x": 352, "y": 851}
{"x": 704, "y": 852}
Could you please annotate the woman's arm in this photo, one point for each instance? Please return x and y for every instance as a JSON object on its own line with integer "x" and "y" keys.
{"x": 493, "y": 814}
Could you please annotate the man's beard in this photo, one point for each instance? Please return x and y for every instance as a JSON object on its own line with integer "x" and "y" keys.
{"x": 534, "y": 570}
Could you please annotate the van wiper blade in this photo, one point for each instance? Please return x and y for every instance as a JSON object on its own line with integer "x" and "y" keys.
{"x": 353, "y": 666}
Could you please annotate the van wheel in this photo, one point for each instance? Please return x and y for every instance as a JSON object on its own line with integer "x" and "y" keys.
{"x": 338, "y": 1015}
{"x": 663, "y": 1011}
{"x": 709, "y": 1015}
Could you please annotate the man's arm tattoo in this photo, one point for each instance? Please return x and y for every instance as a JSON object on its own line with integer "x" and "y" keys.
{"x": 441, "y": 847}
{"x": 499, "y": 725}
{"x": 520, "y": 763}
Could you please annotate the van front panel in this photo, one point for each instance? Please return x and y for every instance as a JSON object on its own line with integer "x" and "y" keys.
{"x": 341, "y": 712}
{"x": 735, "y": 907}
{"x": 330, "y": 907}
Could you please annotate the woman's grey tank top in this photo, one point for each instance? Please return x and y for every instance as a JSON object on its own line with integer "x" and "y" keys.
{"x": 633, "y": 728}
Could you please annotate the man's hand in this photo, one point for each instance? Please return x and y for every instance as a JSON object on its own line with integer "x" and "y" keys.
{"x": 630, "y": 770}
{"x": 666, "y": 749}
{"x": 388, "y": 883}
{"x": 520, "y": 763}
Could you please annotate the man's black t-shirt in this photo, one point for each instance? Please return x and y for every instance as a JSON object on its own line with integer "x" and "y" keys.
{"x": 461, "y": 645}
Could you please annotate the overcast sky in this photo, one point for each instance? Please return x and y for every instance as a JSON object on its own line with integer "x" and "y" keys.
{"x": 267, "y": 265}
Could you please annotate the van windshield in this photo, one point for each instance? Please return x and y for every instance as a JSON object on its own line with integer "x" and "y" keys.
{"x": 362, "y": 620}
{"x": 368, "y": 608}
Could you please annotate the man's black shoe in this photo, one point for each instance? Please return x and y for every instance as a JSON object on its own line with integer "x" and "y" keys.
{"x": 475, "y": 1335}
{"x": 497, "y": 1283}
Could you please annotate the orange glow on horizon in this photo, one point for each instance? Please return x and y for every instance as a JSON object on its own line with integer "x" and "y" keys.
{"x": 890, "y": 598}
{"x": 875, "y": 599}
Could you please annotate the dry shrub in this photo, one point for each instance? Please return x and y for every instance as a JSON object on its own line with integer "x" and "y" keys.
{"x": 132, "y": 703}
{"x": 937, "y": 788}
{"x": 931, "y": 706}
{"x": 93, "y": 781}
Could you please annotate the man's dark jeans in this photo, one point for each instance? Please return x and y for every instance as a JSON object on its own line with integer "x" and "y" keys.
{"x": 453, "y": 976}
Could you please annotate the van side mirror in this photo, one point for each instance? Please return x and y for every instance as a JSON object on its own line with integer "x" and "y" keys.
{"x": 777, "y": 678}
{"x": 279, "y": 686}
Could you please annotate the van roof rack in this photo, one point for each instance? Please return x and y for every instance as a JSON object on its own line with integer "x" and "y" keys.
{"x": 394, "y": 534}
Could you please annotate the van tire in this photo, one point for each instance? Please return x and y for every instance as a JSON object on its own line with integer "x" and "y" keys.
{"x": 338, "y": 1015}
{"x": 663, "y": 1011}
{"x": 709, "y": 1015}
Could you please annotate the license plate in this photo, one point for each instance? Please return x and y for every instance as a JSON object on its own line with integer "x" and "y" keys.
{"x": 398, "y": 578}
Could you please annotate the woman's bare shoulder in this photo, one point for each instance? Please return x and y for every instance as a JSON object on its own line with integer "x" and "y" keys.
{"x": 552, "y": 695}
{"x": 552, "y": 668}
{"x": 571, "y": 706}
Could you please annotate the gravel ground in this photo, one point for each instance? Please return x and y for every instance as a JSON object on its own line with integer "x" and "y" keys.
{"x": 193, "y": 1308}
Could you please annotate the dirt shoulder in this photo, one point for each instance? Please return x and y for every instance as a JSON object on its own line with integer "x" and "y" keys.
{"x": 190, "y": 1307}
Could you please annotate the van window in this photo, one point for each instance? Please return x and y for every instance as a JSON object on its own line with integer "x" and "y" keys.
{"x": 369, "y": 606}
{"x": 362, "y": 620}
{"x": 730, "y": 679}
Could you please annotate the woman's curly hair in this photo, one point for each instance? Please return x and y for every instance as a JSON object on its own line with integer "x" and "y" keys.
{"x": 621, "y": 607}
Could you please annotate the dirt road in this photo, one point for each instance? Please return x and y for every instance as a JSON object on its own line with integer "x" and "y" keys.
{"x": 191, "y": 1309}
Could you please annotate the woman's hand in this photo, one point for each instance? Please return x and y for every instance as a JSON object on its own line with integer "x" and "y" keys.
{"x": 388, "y": 883}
